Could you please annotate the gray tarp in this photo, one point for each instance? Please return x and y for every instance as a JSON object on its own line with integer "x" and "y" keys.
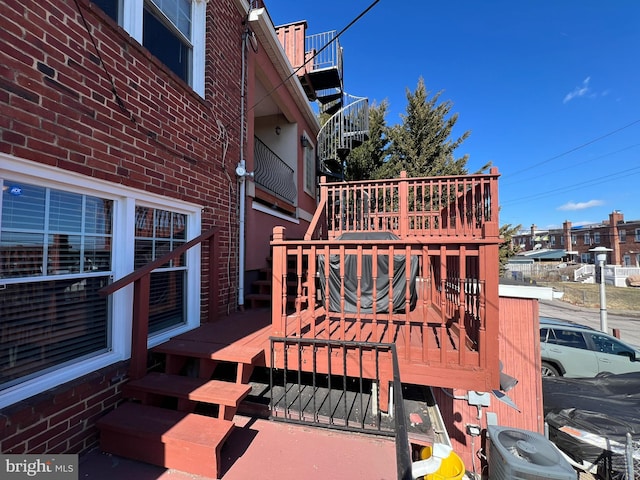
{"x": 366, "y": 283}
{"x": 607, "y": 406}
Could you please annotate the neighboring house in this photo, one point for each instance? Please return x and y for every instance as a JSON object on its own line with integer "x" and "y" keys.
{"x": 123, "y": 123}
{"x": 622, "y": 237}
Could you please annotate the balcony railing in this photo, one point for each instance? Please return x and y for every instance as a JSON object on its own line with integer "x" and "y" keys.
{"x": 383, "y": 291}
{"x": 446, "y": 207}
{"x": 273, "y": 174}
{"x": 327, "y": 50}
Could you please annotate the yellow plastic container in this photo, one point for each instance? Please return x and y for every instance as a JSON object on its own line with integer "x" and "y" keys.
{"x": 451, "y": 468}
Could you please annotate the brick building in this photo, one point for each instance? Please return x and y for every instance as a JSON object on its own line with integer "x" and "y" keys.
{"x": 122, "y": 126}
{"x": 620, "y": 235}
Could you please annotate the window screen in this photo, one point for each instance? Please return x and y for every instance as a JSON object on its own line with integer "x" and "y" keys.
{"x": 55, "y": 254}
{"x": 157, "y": 233}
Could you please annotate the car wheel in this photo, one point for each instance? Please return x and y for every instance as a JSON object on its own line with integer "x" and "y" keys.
{"x": 549, "y": 370}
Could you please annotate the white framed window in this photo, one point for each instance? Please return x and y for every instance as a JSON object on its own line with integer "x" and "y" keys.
{"x": 596, "y": 237}
{"x": 55, "y": 254}
{"x": 622, "y": 235}
{"x": 626, "y": 260}
{"x": 172, "y": 30}
{"x": 309, "y": 154}
{"x": 553, "y": 239}
{"x": 562, "y": 240}
{"x": 637, "y": 235}
{"x": 587, "y": 239}
{"x": 62, "y": 237}
{"x": 157, "y": 232}
{"x": 574, "y": 239}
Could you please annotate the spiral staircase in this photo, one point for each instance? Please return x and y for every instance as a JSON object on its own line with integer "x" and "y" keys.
{"x": 344, "y": 117}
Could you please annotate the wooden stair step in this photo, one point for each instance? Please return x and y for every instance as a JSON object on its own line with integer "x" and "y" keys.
{"x": 209, "y": 354}
{"x": 227, "y": 395}
{"x": 214, "y": 351}
{"x": 290, "y": 283}
{"x": 266, "y": 297}
{"x": 171, "y": 439}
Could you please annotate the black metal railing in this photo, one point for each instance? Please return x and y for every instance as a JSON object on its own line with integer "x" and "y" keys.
{"x": 337, "y": 384}
{"x": 273, "y": 174}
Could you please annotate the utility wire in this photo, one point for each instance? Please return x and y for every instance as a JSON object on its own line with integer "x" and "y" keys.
{"x": 116, "y": 95}
{"x": 576, "y": 186}
{"x": 572, "y": 150}
{"x": 600, "y": 157}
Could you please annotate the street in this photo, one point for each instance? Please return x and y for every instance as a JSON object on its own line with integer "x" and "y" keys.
{"x": 629, "y": 325}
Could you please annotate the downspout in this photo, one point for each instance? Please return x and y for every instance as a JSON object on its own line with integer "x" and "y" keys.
{"x": 241, "y": 172}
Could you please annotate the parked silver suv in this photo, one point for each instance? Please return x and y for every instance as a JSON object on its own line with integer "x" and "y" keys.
{"x": 573, "y": 350}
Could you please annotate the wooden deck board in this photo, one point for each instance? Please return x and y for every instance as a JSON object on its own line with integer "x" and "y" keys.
{"x": 198, "y": 390}
{"x": 414, "y": 368}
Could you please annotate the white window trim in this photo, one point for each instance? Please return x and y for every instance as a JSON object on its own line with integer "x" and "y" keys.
{"x": 132, "y": 13}
{"x": 305, "y": 166}
{"x": 125, "y": 200}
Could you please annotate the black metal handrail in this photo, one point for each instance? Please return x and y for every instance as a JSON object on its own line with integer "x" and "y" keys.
{"x": 302, "y": 400}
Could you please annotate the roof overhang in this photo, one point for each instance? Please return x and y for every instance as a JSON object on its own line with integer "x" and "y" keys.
{"x": 262, "y": 26}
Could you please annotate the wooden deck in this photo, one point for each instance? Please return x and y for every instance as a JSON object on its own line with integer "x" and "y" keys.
{"x": 443, "y": 363}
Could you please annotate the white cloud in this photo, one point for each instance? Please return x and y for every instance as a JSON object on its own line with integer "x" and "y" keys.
{"x": 582, "y": 223}
{"x": 579, "y": 91}
{"x": 572, "y": 206}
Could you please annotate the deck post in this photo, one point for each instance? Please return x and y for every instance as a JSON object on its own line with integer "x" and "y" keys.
{"x": 278, "y": 282}
{"x": 140, "y": 331}
{"x": 491, "y": 227}
{"x": 489, "y": 327}
{"x": 403, "y": 198}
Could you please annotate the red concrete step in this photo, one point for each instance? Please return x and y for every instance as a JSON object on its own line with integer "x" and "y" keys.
{"x": 183, "y": 441}
{"x": 177, "y": 350}
{"x": 188, "y": 391}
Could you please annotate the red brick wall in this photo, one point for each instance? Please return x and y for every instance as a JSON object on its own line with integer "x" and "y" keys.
{"x": 61, "y": 420}
{"x": 57, "y": 108}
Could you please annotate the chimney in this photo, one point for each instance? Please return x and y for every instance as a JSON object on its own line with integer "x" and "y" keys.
{"x": 533, "y": 235}
{"x": 615, "y": 218}
{"x": 566, "y": 232}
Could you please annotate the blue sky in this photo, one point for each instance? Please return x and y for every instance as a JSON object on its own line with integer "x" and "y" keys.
{"x": 550, "y": 90}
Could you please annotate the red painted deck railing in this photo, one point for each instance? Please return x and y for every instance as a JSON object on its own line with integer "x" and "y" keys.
{"x": 448, "y": 206}
{"x": 446, "y": 258}
{"x": 141, "y": 279}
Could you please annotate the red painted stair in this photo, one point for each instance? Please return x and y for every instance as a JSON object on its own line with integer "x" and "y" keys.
{"x": 179, "y": 440}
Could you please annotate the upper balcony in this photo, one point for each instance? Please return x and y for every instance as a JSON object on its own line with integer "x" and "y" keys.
{"x": 435, "y": 209}
{"x": 318, "y": 62}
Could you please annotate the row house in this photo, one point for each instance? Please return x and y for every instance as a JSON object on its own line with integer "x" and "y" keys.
{"x": 131, "y": 129}
{"x": 620, "y": 235}
{"x": 156, "y": 156}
